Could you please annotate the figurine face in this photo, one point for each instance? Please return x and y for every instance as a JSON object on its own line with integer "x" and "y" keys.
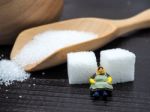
{"x": 100, "y": 71}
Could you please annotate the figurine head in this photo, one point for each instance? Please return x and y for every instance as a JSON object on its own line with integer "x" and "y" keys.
{"x": 100, "y": 71}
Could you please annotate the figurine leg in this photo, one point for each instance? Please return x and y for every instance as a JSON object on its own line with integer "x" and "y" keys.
{"x": 91, "y": 93}
{"x": 109, "y": 93}
{"x": 105, "y": 93}
{"x": 94, "y": 93}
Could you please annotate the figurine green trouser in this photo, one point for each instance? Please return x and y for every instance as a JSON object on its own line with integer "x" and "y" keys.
{"x": 101, "y": 83}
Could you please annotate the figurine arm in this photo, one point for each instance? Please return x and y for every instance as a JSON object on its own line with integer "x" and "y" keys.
{"x": 109, "y": 80}
{"x": 92, "y": 81}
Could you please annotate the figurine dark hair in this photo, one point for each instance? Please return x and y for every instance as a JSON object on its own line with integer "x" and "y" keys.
{"x": 100, "y": 68}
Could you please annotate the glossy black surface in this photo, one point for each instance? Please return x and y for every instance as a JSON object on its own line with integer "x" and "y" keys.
{"x": 52, "y": 93}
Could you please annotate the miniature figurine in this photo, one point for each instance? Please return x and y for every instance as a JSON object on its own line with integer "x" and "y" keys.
{"x": 101, "y": 84}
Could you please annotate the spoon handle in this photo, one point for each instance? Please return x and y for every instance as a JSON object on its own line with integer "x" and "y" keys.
{"x": 139, "y": 21}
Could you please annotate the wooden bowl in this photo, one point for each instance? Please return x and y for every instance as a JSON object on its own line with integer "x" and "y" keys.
{"x": 17, "y": 15}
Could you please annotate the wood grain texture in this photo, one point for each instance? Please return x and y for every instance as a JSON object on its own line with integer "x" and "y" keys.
{"x": 106, "y": 30}
{"x": 17, "y": 15}
{"x": 52, "y": 93}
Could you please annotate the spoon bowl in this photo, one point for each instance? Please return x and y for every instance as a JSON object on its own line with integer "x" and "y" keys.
{"x": 107, "y": 30}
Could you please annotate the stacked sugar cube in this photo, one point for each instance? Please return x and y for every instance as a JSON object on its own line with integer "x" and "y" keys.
{"x": 81, "y": 65}
{"x": 119, "y": 63}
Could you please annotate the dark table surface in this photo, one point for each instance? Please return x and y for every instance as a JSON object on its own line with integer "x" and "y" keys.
{"x": 52, "y": 93}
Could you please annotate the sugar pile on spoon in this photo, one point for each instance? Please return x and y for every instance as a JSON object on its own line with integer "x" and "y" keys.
{"x": 46, "y": 43}
{"x": 41, "y": 46}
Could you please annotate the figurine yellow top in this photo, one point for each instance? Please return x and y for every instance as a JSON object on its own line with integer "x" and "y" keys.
{"x": 101, "y": 83}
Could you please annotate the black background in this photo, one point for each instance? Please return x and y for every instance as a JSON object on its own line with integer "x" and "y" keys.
{"x": 52, "y": 93}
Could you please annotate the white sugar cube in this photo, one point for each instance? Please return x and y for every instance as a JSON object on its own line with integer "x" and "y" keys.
{"x": 119, "y": 63}
{"x": 81, "y": 65}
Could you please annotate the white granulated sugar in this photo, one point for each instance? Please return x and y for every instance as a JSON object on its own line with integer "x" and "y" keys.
{"x": 81, "y": 65}
{"x": 46, "y": 43}
{"x": 6, "y": 90}
{"x": 119, "y": 63}
{"x": 10, "y": 72}
{"x": 20, "y": 96}
{"x": 6, "y": 97}
{"x": 43, "y": 73}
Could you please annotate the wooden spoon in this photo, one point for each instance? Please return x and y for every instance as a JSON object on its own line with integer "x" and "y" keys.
{"x": 107, "y": 30}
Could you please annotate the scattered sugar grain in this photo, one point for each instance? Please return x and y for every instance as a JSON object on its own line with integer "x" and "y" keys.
{"x": 29, "y": 85}
{"x": 6, "y": 90}
{"x": 46, "y": 43}
{"x": 2, "y": 55}
{"x": 6, "y": 97}
{"x": 34, "y": 84}
{"x": 10, "y": 72}
{"x": 43, "y": 73}
{"x": 20, "y": 96}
